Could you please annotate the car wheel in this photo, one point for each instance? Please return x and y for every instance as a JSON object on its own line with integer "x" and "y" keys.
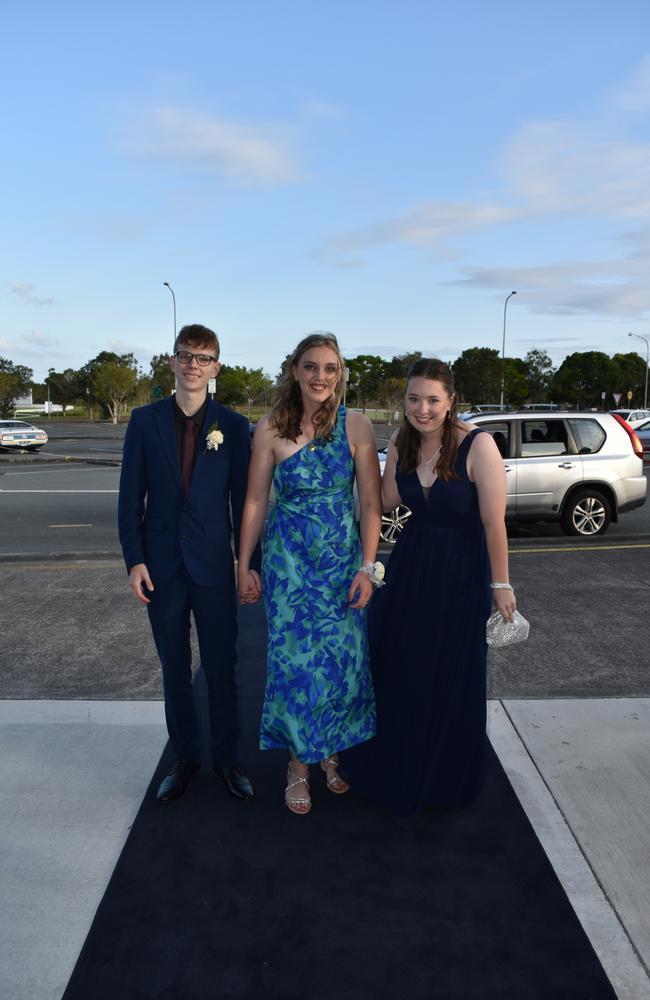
{"x": 586, "y": 513}
{"x": 393, "y": 523}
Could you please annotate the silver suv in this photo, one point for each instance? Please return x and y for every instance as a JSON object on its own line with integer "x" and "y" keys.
{"x": 581, "y": 469}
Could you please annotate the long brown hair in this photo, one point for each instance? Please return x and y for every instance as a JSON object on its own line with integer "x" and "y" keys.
{"x": 286, "y": 414}
{"x": 409, "y": 439}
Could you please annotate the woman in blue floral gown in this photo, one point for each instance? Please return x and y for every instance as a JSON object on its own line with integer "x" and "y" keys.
{"x": 316, "y": 572}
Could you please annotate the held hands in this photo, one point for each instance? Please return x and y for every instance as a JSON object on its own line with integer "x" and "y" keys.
{"x": 249, "y": 586}
{"x": 360, "y": 590}
{"x": 505, "y": 602}
{"x": 138, "y": 579}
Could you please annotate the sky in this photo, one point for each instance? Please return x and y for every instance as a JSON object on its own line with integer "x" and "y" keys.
{"x": 387, "y": 171}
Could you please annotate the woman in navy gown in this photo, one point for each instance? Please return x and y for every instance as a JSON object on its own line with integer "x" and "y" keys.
{"x": 427, "y": 625}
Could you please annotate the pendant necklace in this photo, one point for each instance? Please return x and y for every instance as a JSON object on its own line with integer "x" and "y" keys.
{"x": 428, "y": 461}
{"x": 311, "y": 443}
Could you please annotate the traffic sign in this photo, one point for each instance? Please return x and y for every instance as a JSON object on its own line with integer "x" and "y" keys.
{"x": 157, "y": 391}
{"x": 616, "y": 396}
{"x": 629, "y": 395}
{"x": 212, "y": 385}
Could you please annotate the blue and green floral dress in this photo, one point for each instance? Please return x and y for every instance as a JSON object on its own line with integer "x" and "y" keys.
{"x": 319, "y": 696}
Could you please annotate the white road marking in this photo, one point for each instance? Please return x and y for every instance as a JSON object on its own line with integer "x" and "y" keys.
{"x": 69, "y": 525}
{"x": 59, "y": 491}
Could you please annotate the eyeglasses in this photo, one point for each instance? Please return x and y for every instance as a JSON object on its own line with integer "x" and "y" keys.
{"x": 185, "y": 358}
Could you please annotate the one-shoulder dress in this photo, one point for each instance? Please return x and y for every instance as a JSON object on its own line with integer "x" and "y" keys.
{"x": 319, "y": 697}
{"x": 428, "y": 652}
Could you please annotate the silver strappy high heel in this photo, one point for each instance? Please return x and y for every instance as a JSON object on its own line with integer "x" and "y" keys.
{"x": 298, "y": 800}
{"x": 335, "y": 783}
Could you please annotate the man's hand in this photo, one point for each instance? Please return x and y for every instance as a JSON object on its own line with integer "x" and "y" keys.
{"x": 138, "y": 576}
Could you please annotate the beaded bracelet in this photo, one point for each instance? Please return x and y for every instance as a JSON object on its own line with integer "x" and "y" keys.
{"x": 375, "y": 571}
{"x": 502, "y": 586}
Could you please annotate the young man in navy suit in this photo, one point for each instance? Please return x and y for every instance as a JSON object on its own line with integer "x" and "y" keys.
{"x": 182, "y": 490}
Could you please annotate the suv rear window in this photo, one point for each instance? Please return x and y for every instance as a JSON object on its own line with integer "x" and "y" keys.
{"x": 500, "y": 431}
{"x": 540, "y": 438}
{"x": 589, "y": 436}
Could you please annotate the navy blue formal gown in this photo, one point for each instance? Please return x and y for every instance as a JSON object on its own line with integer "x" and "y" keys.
{"x": 428, "y": 652}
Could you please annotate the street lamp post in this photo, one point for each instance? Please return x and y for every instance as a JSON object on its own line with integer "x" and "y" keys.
{"x": 503, "y": 349}
{"x": 174, "y": 301}
{"x": 647, "y": 365}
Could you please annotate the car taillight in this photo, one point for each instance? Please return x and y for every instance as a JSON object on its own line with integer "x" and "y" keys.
{"x": 637, "y": 447}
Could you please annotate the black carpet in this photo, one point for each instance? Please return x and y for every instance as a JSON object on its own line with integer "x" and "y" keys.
{"x": 215, "y": 899}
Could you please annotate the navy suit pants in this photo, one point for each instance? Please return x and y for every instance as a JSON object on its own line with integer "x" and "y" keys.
{"x": 215, "y": 617}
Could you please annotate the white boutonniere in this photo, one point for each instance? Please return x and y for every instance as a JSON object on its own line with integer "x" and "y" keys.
{"x": 213, "y": 438}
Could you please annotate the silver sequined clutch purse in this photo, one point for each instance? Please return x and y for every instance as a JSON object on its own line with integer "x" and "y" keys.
{"x": 500, "y": 633}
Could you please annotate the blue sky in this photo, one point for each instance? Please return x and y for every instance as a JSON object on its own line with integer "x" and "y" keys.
{"x": 386, "y": 171}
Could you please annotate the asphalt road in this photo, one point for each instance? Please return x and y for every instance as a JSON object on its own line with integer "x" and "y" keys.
{"x": 58, "y": 508}
{"x": 50, "y": 508}
{"x": 71, "y": 629}
{"x": 60, "y": 558}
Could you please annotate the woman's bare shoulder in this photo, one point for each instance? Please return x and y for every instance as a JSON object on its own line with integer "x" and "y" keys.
{"x": 263, "y": 429}
{"x": 358, "y": 426}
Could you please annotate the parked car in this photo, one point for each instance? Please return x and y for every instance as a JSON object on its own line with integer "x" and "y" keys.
{"x": 581, "y": 469}
{"x": 20, "y": 434}
{"x": 633, "y": 417}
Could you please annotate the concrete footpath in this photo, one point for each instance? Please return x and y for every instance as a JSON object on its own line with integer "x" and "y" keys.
{"x": 82, "y": 728}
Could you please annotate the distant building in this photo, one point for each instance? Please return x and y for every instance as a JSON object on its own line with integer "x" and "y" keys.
{"x": 25, "y": 405}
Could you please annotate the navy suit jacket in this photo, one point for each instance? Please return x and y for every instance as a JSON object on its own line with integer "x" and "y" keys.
{"x": 158, "y": 524}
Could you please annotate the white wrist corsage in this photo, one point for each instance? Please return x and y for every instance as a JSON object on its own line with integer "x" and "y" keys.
{"x": 213, "y": 438}
{"x": 376, "y": 573}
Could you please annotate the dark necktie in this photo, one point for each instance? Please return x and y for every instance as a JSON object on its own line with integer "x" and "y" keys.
{"x": 188, "y": 446}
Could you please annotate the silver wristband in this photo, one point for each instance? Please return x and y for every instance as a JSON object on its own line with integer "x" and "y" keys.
{"x": 502, "y": 586}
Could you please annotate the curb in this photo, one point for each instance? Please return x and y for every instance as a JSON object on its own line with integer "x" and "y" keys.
{"x": 575, "y": 542}
{"x": 36, "y": 557}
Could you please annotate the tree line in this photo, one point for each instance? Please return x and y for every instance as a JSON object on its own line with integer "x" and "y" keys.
{"x": 110, "y": 383}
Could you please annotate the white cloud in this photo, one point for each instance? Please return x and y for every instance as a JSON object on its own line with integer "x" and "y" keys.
{"x": 126, "y": 347}
{"x": 26, "y": 292}
{"x": 36, "y": 348}
{"x": 39, "y": 339}
{"x": 633, "y": 94}
{"x": 548, "y": 168}
{"x": 555, "y": 167}
{"x": 610, "y": 287}
{"x": 321, "y": 109}
{"x": 242, "y": 153}
{"x": 426, "y": 225}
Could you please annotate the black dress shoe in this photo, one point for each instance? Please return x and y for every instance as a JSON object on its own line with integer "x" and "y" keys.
{"x": 175, "y": 783}
{"x": 236, "y": 782}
